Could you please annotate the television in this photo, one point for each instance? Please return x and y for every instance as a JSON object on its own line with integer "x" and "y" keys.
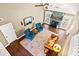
{"x": 28, "y": 20}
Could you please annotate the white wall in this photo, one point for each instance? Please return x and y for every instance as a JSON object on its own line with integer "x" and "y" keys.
{"x": 74, "y": 27}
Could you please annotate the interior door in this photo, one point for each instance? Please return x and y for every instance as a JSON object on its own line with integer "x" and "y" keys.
{"x": 8, "y": 32}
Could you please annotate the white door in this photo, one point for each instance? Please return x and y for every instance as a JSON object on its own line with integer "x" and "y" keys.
{"x": 8, "y": 32}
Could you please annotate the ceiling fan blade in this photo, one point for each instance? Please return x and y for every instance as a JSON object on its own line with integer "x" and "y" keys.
{"x": 39, "y": 5}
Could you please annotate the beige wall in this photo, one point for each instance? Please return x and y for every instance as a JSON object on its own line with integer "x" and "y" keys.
{"x": 16, "y": 12}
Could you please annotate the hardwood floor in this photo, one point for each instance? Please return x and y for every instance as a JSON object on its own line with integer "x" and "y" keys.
{"x": 62, "y": 34}
{"x": 15, "y": 49}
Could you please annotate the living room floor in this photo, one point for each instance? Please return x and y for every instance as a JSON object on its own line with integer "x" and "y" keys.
{"x": 15, "y": 49}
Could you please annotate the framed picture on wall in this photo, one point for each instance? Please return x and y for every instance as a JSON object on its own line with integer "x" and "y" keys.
{"x": 28, "y": 20}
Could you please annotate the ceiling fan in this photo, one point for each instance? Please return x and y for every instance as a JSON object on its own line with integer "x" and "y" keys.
{"x": 44, "y": 5}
